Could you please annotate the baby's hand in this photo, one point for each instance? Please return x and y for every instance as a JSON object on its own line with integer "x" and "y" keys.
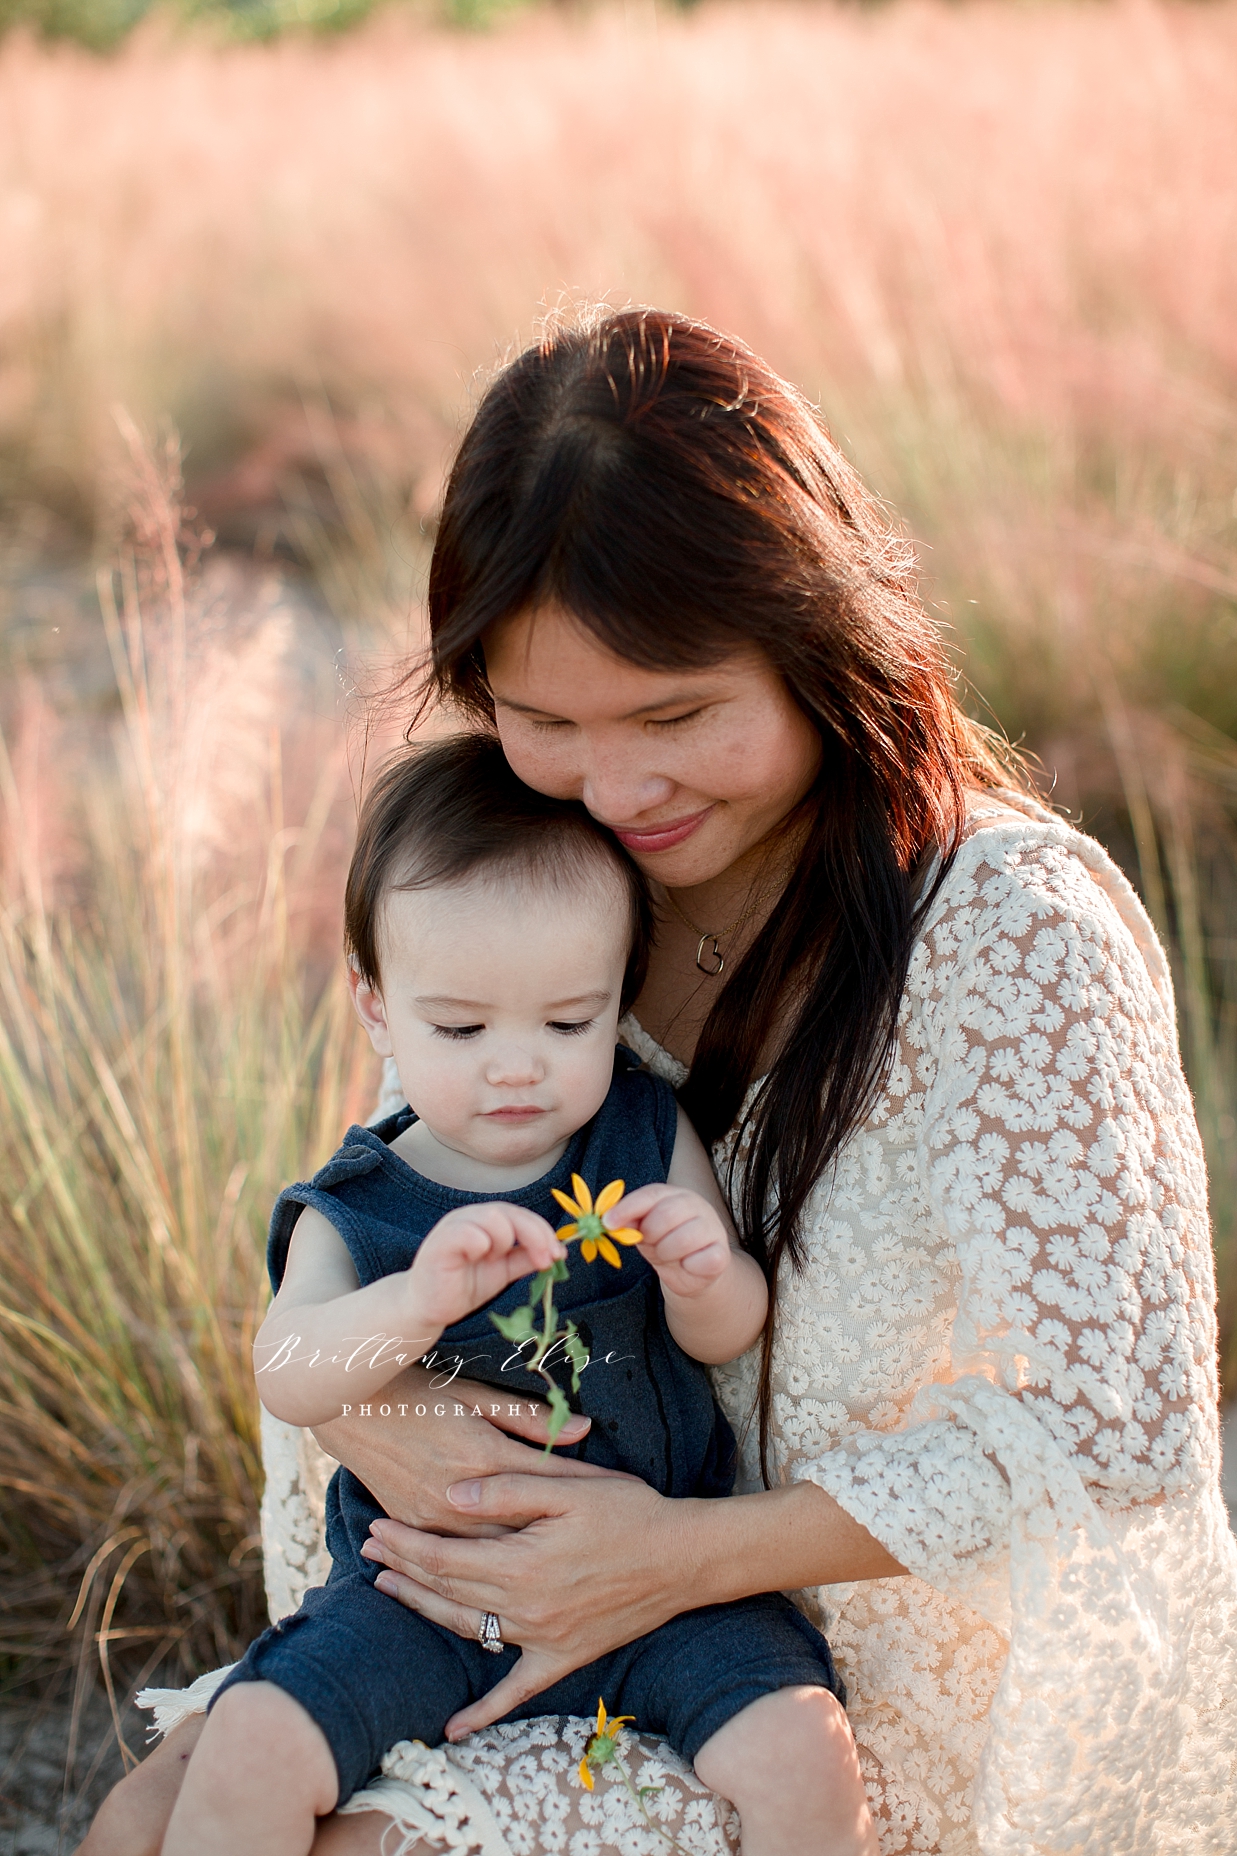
{"x": 471, "y": 1255}
{"x": 683, "y": 1237}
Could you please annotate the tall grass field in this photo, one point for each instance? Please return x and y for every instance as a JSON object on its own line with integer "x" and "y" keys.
{"x": 997, "y": 244}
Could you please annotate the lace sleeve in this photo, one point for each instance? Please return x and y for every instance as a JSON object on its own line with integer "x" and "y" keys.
{"x": 1061, "y": 1160}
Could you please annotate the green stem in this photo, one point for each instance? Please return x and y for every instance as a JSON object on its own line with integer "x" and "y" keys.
{"x": 643, "y": 1809}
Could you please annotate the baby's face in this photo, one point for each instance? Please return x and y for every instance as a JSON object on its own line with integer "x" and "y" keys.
{"x": 500, "y": 1005}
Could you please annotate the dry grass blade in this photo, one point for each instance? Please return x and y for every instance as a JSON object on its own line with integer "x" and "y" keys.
{"x": 167, "y": 1060}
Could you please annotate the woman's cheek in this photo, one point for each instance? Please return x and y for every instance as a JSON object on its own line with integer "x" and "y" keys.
{"x": 542, "y": 763}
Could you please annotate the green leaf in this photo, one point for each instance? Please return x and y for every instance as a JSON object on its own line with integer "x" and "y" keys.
{"x": 517, "y": 1326}
{"x": 576, "y": 1352}
{"x": 560, "y": 1411}
{"x": 557, "y": 1272}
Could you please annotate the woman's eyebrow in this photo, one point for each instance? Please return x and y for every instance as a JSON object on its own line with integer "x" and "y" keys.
{"x": 648, "y": 708}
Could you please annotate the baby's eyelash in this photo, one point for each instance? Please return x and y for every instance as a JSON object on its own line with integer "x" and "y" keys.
{"x": 457, "y": 1031}
{"x": 573, "y": 1027}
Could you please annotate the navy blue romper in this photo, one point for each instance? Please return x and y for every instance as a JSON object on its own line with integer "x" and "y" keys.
{"x": 371, "y": 1672}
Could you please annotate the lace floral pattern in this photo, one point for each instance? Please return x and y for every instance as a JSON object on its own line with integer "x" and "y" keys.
{"x": 514, "y": 1791}
{"x": 1000, "y": 1358}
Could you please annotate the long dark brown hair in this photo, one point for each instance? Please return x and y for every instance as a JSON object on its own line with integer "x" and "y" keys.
{"x": 654, "y": 478}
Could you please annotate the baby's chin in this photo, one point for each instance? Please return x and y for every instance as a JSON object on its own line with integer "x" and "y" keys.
{"x": 502, "y": 1140}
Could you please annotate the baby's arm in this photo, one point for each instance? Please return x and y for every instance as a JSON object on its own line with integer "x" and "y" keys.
{"x": 714, "y": 1293}
{"x": 326, "y": 1342}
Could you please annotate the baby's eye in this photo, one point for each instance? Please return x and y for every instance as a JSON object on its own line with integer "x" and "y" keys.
{"x": 571, "y": 1028}
{"x": 457, "y": 1031}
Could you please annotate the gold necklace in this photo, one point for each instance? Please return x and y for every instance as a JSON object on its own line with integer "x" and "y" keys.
{"x": 710, "y": 940}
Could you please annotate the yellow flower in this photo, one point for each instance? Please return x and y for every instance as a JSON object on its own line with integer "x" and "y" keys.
{"x": 603, "y": 1742}
{"x": 594, "y": 1236}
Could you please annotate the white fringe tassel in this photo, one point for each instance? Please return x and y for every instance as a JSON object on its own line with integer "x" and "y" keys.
{"x": 171, "y": 1706}
{"x": 426, "y": 1795}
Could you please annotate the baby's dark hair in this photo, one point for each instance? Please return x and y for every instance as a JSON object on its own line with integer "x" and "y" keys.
{"x": 445, "y": 810}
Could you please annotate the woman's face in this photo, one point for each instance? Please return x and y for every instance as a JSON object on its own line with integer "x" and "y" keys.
{"x": 690, "y": 769}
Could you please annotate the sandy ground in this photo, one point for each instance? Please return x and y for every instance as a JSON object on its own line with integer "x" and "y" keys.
{"x": 45, "y": 1806}
{"x": 46, "y": 1803}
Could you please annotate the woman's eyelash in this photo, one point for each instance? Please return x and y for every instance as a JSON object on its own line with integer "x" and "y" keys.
{"x": 673, "y": 721}
{"x": 571, "y": 1028}
{"x": 457, "y": 1031}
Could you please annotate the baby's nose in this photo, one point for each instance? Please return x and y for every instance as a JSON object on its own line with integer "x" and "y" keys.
{"x": 513, "y": 1066}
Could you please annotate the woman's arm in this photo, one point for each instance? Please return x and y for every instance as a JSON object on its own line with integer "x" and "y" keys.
{"x": 601, "y": 1562}
{"x": 408, "y": 1463}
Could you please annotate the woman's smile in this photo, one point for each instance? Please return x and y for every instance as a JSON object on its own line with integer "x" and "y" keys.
{"x": 647, "y": 840}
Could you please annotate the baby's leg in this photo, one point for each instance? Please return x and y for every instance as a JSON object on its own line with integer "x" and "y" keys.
{"x": 788, "y": 1764}
{"x": 259, "y": 1778}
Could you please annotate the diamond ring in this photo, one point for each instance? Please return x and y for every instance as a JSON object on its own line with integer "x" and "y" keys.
{"x": 489, "y": 1636}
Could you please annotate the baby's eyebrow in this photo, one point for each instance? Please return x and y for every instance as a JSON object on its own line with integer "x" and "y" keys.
{"x": 438, "y": 1002}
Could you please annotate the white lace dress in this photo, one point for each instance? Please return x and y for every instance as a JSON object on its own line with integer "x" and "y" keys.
{"x": 1000, "y": 1357}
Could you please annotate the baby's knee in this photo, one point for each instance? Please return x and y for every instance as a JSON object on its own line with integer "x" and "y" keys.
{"x": 791, "y": 1730}
{"x": 257, "y": 1732}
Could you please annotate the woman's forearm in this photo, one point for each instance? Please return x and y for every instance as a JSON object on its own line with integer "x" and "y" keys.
{"x": 776, "y": 1541}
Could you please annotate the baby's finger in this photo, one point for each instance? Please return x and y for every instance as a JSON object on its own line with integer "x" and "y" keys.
{"x": 709, "y": 1261}
{"x": 634, "y": 1206}
{"x": 512, "y": 1225}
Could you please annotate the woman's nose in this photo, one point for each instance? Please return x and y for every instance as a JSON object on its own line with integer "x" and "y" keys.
{"x": 618, "y": 789}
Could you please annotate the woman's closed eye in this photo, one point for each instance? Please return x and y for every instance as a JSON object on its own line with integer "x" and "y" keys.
{"x": 676, "y": 721}
{"x": 457, "y": 1031}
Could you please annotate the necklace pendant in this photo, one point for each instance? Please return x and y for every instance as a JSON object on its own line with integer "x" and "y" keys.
{"x": 709, "y": 941}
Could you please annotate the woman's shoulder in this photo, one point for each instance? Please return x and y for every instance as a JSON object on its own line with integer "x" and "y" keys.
{"x": 1022, "y": 875}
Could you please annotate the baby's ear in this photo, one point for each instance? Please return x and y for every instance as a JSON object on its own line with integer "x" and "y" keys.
{"x": 370, "y": 1009}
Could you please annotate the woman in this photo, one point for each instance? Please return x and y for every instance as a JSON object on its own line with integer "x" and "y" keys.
{"x": 929, "y": 1031}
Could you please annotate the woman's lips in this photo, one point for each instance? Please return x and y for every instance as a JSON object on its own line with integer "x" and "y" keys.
{"x": 660, "y": 837}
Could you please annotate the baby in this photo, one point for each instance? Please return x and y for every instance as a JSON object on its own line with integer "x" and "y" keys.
{"x": 495, "y": 936}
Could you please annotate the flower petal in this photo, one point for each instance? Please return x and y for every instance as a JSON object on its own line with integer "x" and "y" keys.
{"x": 582, "y": 1193}
{"x": 588, "y": 1249}
{"x": 567, "y": 1231}
{"x": 608, "y": 1251}
{"x": 568, "y": 1205}
{"x": 601, "y": 1715}
{"x": 626, "y": 1235}
{"x": 586, "y": 1777}
{"x": 608, "y": 1196}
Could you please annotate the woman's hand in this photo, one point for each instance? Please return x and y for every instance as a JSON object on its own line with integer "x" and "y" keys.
{"x": 408, "y": 1462}
{"x": 601, "y": 1562}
